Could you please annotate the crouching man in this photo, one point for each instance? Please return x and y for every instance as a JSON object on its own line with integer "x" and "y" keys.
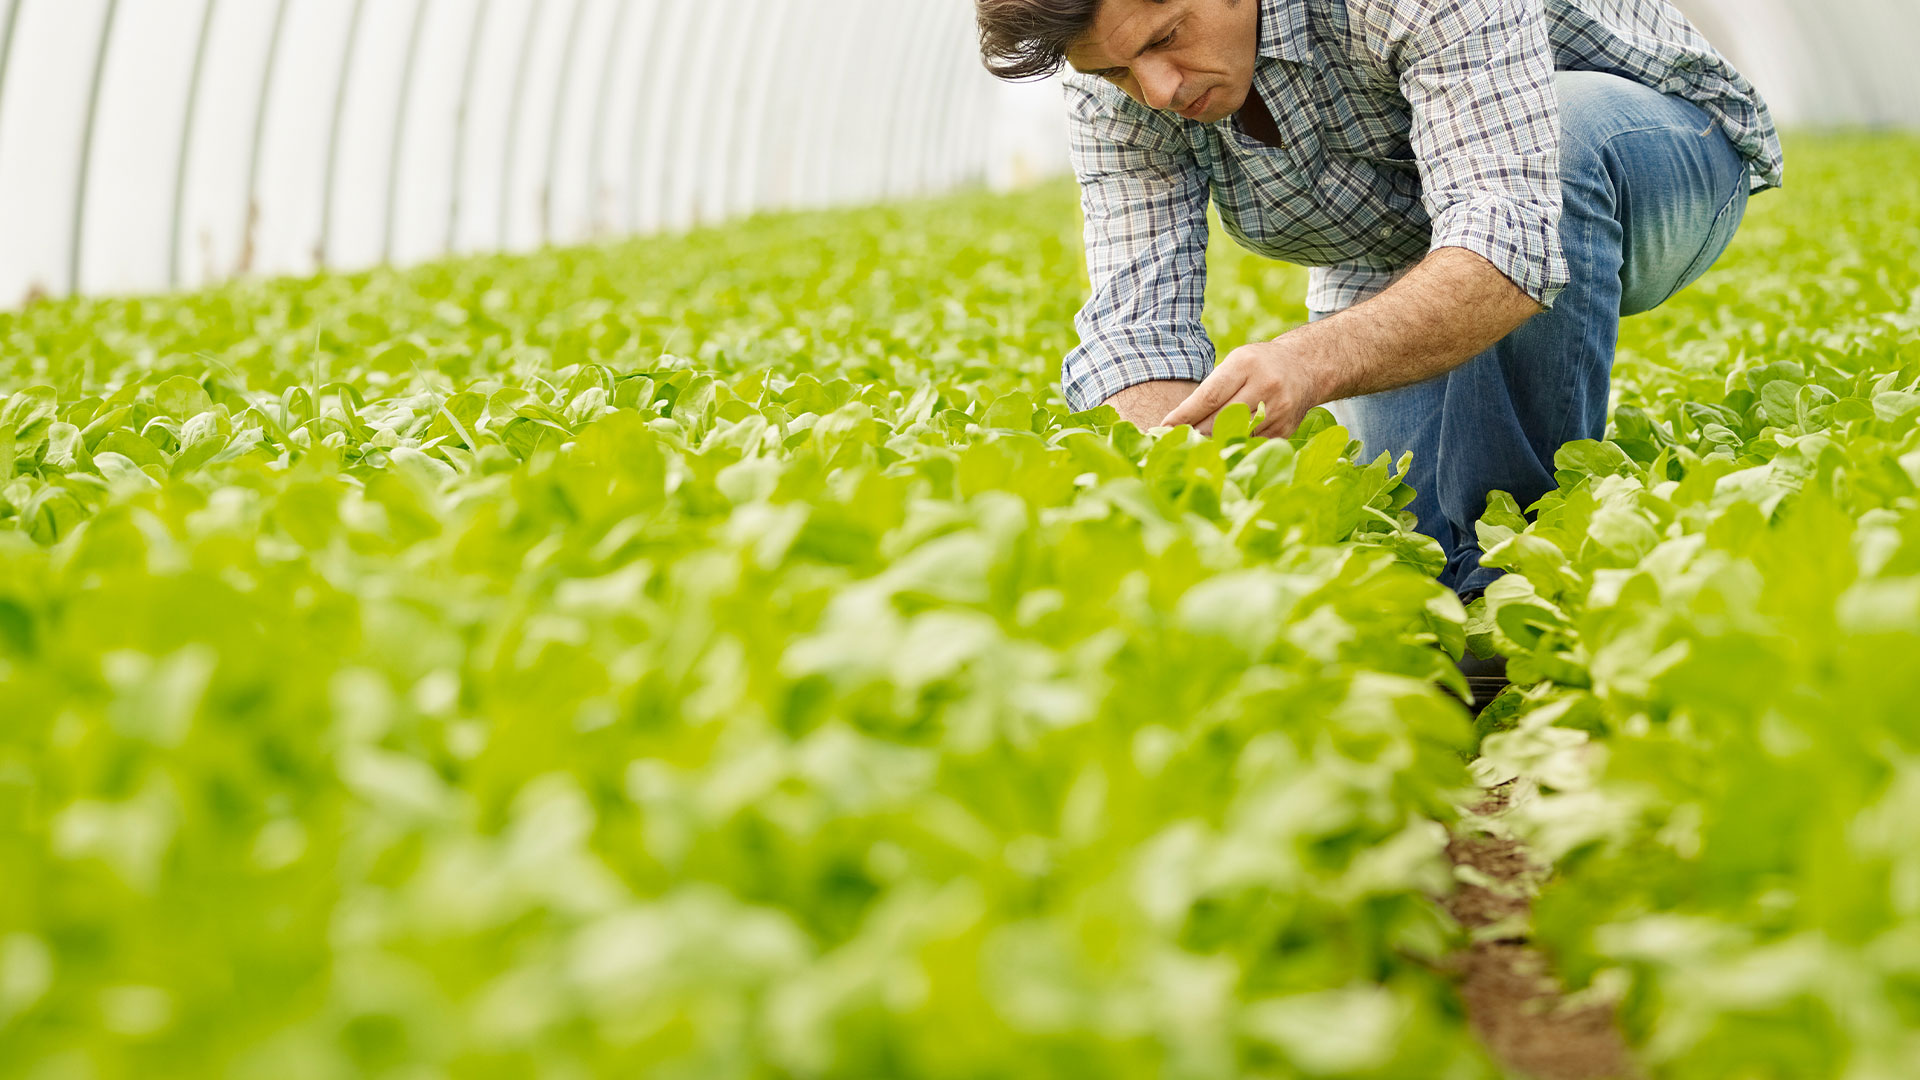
{"x": 1483, "y": 188}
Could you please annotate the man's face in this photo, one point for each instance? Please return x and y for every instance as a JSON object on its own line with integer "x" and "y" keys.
{"x": 1192, "y": 57}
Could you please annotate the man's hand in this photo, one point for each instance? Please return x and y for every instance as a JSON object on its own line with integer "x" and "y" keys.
{"x": 1284, "y": 374}
{"x": 1146, "y": 404}
{"x": 1449, "y": 309}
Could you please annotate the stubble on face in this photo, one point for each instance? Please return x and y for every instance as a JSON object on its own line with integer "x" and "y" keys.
{"x": 1191, "y": 57}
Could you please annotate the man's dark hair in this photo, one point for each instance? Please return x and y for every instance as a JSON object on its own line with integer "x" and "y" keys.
{"x": 1028, "y": 39}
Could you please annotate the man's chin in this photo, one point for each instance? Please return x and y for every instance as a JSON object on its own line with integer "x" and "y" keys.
{"x": 1207, "y": 108}
{"x": 1220, "y": 107}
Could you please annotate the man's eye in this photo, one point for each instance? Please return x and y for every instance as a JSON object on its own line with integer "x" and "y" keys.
{"x": 1166, "y": 42}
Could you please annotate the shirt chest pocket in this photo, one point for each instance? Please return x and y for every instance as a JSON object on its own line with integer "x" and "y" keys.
{"x": 1283, "y": 173}
{"x": 1378, "y": 138}
{"x": 1364, "y": 118}
{"x": 1402, "y": 162}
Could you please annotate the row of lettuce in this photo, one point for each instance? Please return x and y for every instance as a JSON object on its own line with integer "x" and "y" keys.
{"x": 434, "y": 675}
{"x": 1721, "y": 609}
{"x": 723, "y": 658}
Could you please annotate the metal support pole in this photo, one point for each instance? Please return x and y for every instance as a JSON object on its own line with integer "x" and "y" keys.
{"x": 939, "y": 90}
{"x": 748, "y": 184}
{"x": 841, "y": 123}
{"x": 963, "y": 164}
{"x": 514, "y": 102}
{"x": 251, "y": 211}
{"x": 644, "y": 96}
{"x": 900, "y": 55}
{"x": 616, "y": 37}
{"x": 911, "y": 94}
{"x": 650, "y": 121}
{"x": 186, "y": 144}
{"x": 562, "y": 81}
{"x": 962, "y": 93}
{"x": 692, "y": 202}
{"x": 944, "y": 69}
{"x": 729, "y": 142}
{"x": 6, "y": 43}
{"x": 331, "y": 178}
{"x": 899, "y": 94}
{"x": 458, "y": 189}
{"x": 907, "y": 168}
{"x": 86, "y": 149}
{"x": 407, "y": 81}
{"x": 809, "y": 107}
{"x": 952, "y": 66}
{"x": 683, "y": 205}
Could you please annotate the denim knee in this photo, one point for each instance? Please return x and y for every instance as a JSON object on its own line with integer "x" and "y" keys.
{"x": 1594, "y": 108}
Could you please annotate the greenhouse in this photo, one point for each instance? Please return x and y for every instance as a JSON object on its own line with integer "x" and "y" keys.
{"x": 917, "y": 540}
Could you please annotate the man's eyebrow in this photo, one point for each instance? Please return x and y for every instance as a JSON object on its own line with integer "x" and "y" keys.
{"x": 1158, "y": 34}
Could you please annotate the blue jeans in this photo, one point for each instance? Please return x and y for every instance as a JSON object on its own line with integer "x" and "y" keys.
{"x": 1653, "y": 193}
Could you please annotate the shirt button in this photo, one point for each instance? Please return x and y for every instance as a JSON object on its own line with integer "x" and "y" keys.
{"x": 1386, "y": 232}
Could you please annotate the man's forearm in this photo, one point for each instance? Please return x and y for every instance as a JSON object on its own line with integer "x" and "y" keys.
{"x": 1146, "y": 404}
{"x": 1450, "y": 308}
{"x": 1447, "y": 310}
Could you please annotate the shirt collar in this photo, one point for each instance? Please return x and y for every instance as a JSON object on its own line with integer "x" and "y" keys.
{"x": 1283, "y": 30}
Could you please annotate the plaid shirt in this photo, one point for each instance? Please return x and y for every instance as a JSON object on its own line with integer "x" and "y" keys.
{"x": 1409, "y": 125}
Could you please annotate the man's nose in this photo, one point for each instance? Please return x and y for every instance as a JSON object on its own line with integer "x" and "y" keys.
{"x": 1159, "y": 83}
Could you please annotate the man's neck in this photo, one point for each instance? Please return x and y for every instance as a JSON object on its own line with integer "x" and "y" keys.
{"x": 1259, "y": 123}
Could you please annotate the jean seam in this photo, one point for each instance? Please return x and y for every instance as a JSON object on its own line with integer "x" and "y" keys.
{"x": 1560, "y": 422}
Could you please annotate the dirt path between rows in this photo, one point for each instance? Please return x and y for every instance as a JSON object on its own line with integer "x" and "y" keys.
{"x": 1515, "y": 1005}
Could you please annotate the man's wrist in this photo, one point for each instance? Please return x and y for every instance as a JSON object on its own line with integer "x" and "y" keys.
{"x": 1448, "y": 309}
{"x": 1332, "y": 356}
{"x": 1145, "y": 404}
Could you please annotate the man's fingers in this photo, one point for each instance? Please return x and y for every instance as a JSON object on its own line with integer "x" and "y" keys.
{"x": 1211, "y": 395}
{"x": 1276, "y": 429}
{"x": 1248, "y": 396}
{"x": 1279, "y": 424}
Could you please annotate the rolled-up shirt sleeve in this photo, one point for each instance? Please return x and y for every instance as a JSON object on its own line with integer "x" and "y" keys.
{"x": 1145, "y": 201}
{"x": 1478, "y": 77}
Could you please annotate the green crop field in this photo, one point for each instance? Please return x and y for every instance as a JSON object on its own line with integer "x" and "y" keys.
{"x": 724, "y": 657}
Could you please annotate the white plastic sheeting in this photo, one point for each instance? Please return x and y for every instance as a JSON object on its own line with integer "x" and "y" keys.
{"x": 148, "y": 144}
{"x": 1822, "y": 63}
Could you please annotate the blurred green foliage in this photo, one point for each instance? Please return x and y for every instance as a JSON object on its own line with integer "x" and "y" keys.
{"x": 1723, "y": 603}
{"x": 723, "y": 656}
{"x": 706, "y": 657}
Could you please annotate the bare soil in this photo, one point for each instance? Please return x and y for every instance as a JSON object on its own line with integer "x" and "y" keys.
{"x": 1516, "y": 1006}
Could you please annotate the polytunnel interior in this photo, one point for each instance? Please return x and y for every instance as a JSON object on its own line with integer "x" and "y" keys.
{"x": 155, "y": 144}
{"x": 149, "y": 144}
{"x": 706, "y": 644}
